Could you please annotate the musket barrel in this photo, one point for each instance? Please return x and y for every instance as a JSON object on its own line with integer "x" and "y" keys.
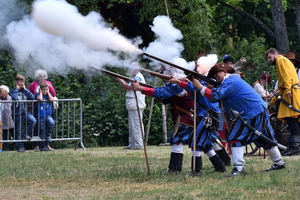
{"x": 169, "y": 63}
{"x": 202, "y": 77}
{"x": 259, "y": 134}
{"x": 163, "y": 76}
{"x": 118, "y": 76}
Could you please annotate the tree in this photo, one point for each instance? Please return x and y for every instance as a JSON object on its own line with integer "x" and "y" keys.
{"x": 297, "y": 9}
{"x": 282, "y": 41}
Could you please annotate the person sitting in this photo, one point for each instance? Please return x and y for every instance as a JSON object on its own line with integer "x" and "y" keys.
{"x": 20, "y": 112}
{"x": 44, "y": 110}
{"x": 6, "y": 119}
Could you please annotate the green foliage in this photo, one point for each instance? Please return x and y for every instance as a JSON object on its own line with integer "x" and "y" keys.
{"x": 105, "y": 118}
{"x": 7, "y": 73}
{"x": 85, "y": 6}
{"x": 253, "y": 52}
{"x": 203, "y": 28}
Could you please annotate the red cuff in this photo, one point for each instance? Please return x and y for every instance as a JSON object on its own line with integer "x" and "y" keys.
{"x": 183, "y": 84}
{"x": 208, "y": 93}
{"x": 148, "y": 91}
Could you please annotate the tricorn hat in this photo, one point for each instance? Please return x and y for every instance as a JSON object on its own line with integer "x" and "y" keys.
{"x": 292, "y": 56}
{"x": 220, "y": 67}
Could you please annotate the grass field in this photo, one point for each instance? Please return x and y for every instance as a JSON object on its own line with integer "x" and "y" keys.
{"x": 114, "y": 173}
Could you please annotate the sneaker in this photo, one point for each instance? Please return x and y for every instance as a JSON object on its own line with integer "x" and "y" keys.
{"x": 236, "y": 172}
{"x": 36, "y": 149}
{"x": 126, "y": 148}
{"x": 45, "y": 149}
{"x": 49, "y": 148}
{"x": 21, "y": 149}
{"x": 48, "y": 139}
{"x": 276, "y": 167}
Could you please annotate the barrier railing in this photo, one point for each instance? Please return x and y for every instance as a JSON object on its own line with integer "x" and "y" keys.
{"x": 67, "y": 115}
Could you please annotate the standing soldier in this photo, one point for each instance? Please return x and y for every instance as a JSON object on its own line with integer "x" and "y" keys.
{"x": 288, "y": 89}
{"x": 181, "y": 104}
{"x": 238, "y": 95}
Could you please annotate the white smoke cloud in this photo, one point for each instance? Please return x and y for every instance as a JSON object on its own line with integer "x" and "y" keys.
{"x": 167, "y": 45}
{"x": 205, "y": 63}
{"x": 56, "y": 36}
{"x": 62, "y": 19}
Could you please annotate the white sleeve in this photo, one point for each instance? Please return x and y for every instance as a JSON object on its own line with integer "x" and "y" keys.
{"x": 260, "y": 90}
{"x": 203, "y": 91}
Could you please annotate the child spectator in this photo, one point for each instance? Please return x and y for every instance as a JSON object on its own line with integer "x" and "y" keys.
{"x": 20, "y": 111}
{"x": 40, "y": 76}
{"x": 44, "y": 110}
{"x": 6, "y": 119}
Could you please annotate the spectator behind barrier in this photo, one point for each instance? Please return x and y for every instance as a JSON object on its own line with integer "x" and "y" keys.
{"x": 40, "y": 77}
{"x": 43, "y": 111}
{"x": 6, "y": 119}
{"x": 20, "y": 111}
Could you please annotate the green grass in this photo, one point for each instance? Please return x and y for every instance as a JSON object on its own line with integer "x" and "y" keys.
{"x": 114, "y": 173}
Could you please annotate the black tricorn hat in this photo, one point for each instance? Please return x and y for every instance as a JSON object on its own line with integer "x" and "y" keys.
{"x": 220, "y": 67}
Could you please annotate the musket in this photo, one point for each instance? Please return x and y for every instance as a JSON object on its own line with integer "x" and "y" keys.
{"x": 119, "y": 76}
{"x": 284, "y": 101}
{"x": 259, "y": 134}
{"x": 142, "y": 131}
{"x": 200, "y": 76}
{"x": 163, "y": 76}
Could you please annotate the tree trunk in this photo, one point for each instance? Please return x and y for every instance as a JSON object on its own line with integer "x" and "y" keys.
{"x": 282, "y": 41}
{"x": 297, "y": 9}
{"x": 260, "y": 23}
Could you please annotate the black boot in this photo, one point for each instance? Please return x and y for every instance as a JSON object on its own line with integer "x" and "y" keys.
{"x": 224, "y": 157}
{"x": 198, "y": 166}
{"x": 294, "y": 146}
{"x": 217, "y": 163}
{"x": 175, "y": 164}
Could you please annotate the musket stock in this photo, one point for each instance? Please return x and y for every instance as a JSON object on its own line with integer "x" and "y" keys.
{"x": 200, "y": 76}
{"x": 118, "y": 76}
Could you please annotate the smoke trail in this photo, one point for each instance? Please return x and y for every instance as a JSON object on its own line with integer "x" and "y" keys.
{"x": 69, "y": 39}
{"x": 166, "y": 45}
{"x": 62, "y": 19}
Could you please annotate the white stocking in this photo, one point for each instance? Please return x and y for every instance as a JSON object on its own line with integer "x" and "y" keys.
{"x": 237, "y": 157}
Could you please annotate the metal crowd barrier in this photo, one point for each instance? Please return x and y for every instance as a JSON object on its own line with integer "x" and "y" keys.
{"x": 67, "y": 118}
